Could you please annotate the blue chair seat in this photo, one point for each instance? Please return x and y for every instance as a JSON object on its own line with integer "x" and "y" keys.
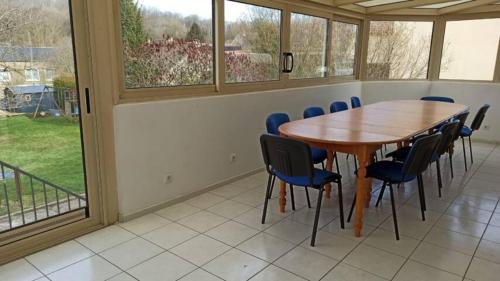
{"x": 388, "y": 171}
{"x": 466, "y": 132}
{"x": 320, "y": 178}
{"x": 318, "y": 155}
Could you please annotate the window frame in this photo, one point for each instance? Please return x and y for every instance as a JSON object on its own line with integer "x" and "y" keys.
{"x": 37, "y": 71}
{"x": 47, "y": 70}
{"x": 357, "y": 52}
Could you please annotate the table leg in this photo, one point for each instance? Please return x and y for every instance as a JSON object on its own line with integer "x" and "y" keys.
{"x": 329, "y": 167}
{"x": 363, "y": 189}
{"x": 282, "y": 197}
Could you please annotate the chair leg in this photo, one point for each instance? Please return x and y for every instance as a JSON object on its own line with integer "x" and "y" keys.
{"x": 272, "y": 187}
{"x": 316, "y": 218}
{"x": 440, "y": 180}
{"x": 267, "y": 199}
{"x": 341, "y": 205}
{"x": 352, "y": 209}
{"x": 376, "y": 157}
{"x": 337, "y": 163}
{"x": 465, "y": 155}
{"x": 394, "y": 217}
{"x": 323, "y": 165}
{"x": 421, "y": 196}
{"x": 381, "y": 194}
{"x": 451, "y": 163}
{"x": 355, "y": 163}
{"x": 308, "y": 200}
{"x": 293, "y": 197}
{"x": 470, "y": 148}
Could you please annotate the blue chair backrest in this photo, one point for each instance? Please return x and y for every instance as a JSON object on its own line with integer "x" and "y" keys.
{"x": 274, "y": 121}
{"x": 438, "y": 98}
{"x": 355, "y": 102}
{"x": 337, "y": 106}
{"x": 313, "y": 112}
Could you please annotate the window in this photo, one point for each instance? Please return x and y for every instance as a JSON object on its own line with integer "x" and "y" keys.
{"x": 343, "y": 51}
{"x": 167, "y": 43}
{"x": 470, "y": 49}
{"x": 5, "y": 76}
{"x": 253, "y": 43}
{"x": 308, "y": 45}
{"x": 399, "y": 49}
{"x": 32, "y": 75}
{"x": 50, "y": 73}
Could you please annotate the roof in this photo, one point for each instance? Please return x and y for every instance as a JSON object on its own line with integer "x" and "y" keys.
{"x": 30, "y": 89}
{"x": 25, "y": 54}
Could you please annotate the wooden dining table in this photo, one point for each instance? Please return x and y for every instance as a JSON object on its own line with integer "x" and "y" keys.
{"x": 362, "y": 131}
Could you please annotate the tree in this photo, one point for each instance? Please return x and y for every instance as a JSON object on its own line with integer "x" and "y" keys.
{"x": 133, "y": 33}
{"x": 195, "y": 33}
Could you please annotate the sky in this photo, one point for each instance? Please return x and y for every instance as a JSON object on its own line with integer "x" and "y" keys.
{"x": 202, "y": 8}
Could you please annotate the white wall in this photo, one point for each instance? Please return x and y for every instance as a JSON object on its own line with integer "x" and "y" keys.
{"x": 472, "y": 94}
{"x": 193, "y": 140}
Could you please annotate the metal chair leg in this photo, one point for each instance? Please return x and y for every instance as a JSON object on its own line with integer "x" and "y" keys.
{"x": 421, "y": 196}
{"x": 394, "y": 217}
{"x": 465, "y": 155}
{"x": 337, "y": 163}
{"x": 381, "y": 194}
{"x": 267, "y": 199}
{"x": 316, "y": 218}
{"x": 293, "y": 197}
{"x": 470, "y": 148}
{"x": 352, "y": 209}
{"x": 440, "y": 180}
{"x": 355, "y": 163}
{"x": 323, "y": 165}
{"x": 270, "y": 194}
{"x": 308, "y": 200}
{"x": 341, "y": 205}
{"x": 451, "y": 163}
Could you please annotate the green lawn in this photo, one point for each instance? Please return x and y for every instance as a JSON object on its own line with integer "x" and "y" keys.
{"x": 48, "y": 148}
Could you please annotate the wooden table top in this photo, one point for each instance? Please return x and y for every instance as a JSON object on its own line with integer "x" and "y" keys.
{"x": 379, "y": 123}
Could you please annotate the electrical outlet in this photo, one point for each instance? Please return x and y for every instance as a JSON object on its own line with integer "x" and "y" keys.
{"x": 232, "y": 157}
{"x": 486, "y": 127}
{"x": 168, "y": 178}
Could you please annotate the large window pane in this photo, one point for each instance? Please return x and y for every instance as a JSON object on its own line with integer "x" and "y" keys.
{"x": 343, "y": 51}
{"x": 253, "y": 43}
{"x": 167, "y": 43}
{"x": 470, "y": 49}
{"x": 308, "y": 44}
{"x": 399, "y": 50}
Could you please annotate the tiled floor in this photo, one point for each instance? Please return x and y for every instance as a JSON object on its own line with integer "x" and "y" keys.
{"x": 218, "y": 236}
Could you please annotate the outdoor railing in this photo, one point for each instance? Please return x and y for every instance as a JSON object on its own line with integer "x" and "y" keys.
{"x": 26, "y": 198}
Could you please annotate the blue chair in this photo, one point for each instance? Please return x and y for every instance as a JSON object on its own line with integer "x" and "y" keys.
{"x": 392, "y": 172}
{"x": 466, "y": 132}
{"x": 355, "y": 102}
{"x": 290, "y": 160}
{"x": 338, "y": 106}
{"x": 313, "y": 112}
{"x": 438, "y": 98}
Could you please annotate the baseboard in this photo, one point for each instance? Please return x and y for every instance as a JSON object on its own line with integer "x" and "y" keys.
{"x": 126, "y": 217}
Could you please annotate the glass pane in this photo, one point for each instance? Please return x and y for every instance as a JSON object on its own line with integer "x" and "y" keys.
{"x": 167, "y": 43}
{"x": 343, "y": 53}
{"x": 399, "y": 49}
{"x": 253, "y": 42}
{"x": 41, "y": 163}
{"x": 470, "y": 49}
{"x": 308, "y": 44}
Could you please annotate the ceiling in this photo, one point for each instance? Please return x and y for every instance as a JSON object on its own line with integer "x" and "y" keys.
{"x": 414, "y": 7}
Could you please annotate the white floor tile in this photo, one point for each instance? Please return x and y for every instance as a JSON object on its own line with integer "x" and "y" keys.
{"x": 229, "y": 209}
{"x": 164, "y": 267}
{"x": 19, "y": 270}
{"x": 170, "y": 235}
{"x": 122, "y": 277}
{"x": 235, "y": 266}
{"x": 266, "y": 247}
{"x": 91, "y": 269}
{"x": 231, "y": 233}
{"x": 483, "y": 270}
{"x": 470, "y": 213}
{"x": 57, "y": 257}
{"x": 253, "y": 218}
{"x": 492, "y": 234}
{"x": 461, "y": 225}
{"x": 275, "y": 274}
{"x": 376, "y": 261}
{"x": 306, "y": 263}
{"x": 348, "y": 231}
{"x": 200, "y": 249}
{"x": 105, "y": 238}
{"x": 205, "y": 200}
{"x": 386, "y": 240}
{"x": 452, "y": 240}
{"x": 200, "y": 275}
{"x": 230, "y": 190}
{"x": 413, "y": 271}
{"x": 344, "y": 272}
{"x": 131, "y": 253}
{"x": 444, "y": 259}
{"x": 489, "y": 251}
{"x": 291, "y": 231}
{"x": 495, "y": 219}
{"x": 331, "y": 245}
{"x": 145, "y": 224}
{"x": 253, "y": 198}
{"x": 178, "y": 211}
{"x": 202, "y": 221}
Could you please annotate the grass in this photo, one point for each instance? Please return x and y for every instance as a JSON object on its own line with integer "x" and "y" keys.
{"x": 49, "y": 148}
